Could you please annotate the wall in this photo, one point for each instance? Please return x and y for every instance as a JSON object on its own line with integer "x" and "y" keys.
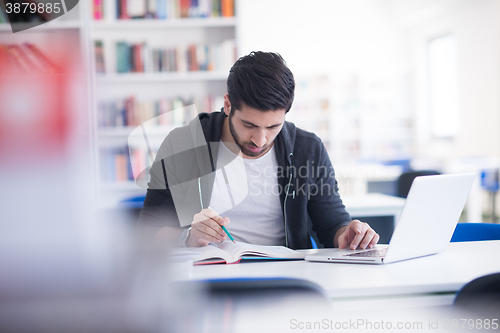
{"x": 322, "y": 35}
{"x": 475, "y": 23}
{"x": 377, "y": 38}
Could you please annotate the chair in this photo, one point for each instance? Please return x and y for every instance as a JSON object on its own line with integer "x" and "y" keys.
{"x": 133, "y": 202}
{"x": 406, "y": 179}
{"x": 481, "y": 296}
{"x": 468, "y": 232}
{"x": 271, "y": 293}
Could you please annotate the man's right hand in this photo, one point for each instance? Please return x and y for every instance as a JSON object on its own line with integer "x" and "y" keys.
{"x": 206, "y": 228}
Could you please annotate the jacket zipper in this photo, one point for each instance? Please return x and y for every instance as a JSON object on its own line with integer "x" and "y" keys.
{"x": 284, "y": 205}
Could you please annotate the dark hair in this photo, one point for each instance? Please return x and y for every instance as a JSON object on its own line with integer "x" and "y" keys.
{"x": 261, "y": 80}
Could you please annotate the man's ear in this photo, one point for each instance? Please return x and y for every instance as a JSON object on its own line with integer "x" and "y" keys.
{"x": 227, "y": 105}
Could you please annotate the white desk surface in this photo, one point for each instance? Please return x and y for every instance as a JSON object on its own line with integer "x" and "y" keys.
{"x": 446, "y": 272}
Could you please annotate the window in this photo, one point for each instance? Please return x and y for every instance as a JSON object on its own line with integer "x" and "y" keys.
{"x": 443, "y": 86}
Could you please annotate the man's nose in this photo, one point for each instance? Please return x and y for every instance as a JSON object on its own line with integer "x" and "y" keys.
{"x": 259, "y": 139}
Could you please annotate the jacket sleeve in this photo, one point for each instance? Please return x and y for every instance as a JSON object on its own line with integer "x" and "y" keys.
{"x": 325, "y": 207}
{"x": 159, "y": 209}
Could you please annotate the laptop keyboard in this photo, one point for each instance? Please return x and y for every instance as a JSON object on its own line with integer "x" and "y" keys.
{"x": 370, "y": 253}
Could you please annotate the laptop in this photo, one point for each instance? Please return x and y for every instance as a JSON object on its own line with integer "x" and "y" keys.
{"x": 425, "y": 226}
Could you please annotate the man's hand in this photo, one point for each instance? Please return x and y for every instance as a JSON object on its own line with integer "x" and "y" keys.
{"x": 206, "y": 228}
{"x": 356, "y": 234}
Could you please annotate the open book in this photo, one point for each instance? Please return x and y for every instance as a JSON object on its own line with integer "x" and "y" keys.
{"x": 231, "y": 253}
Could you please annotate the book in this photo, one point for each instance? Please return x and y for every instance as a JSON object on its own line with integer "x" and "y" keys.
{"x": 231, "y": 253}
{"x": 3, "y": 15}
{"x": 99, "y": 57}
{"x": 98, "y": 10}
{"x": 227, "y": 8}
{"x": 136, "y": 8}
{"x": 122, "y": 9}
{"x": 161, "y": 9}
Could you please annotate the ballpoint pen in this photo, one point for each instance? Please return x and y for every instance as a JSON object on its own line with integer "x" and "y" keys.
{"x": 230, "y": 196}
{"x": 226, "y": 231}
{"x": 228, "y": 234}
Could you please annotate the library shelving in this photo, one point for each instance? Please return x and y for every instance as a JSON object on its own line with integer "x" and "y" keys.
{"x": 151, "y": 62}
{"x": 370, "y": 123}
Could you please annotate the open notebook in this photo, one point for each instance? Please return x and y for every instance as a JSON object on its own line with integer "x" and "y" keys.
{"x": 231, "y": 253}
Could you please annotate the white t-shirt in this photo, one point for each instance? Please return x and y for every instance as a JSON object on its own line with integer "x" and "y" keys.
{"x": 250, "y": 197}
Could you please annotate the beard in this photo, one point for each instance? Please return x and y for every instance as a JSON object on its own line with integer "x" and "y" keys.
{"x": 244, "y": 145}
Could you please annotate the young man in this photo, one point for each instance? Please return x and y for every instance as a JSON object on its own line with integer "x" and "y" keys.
{"x": 248, "y": 169}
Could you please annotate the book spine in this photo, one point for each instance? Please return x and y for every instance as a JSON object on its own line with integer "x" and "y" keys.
{"x": 120, "y": 114}
{"x": 128, "y": 165}
{"x": 184, "y": 8}
{"x": 161, "y": 9}
{"x": 3, "y": 15}
{"x": 120, "y": 68}
{"x": 98, "y": 10}
{"x": 99, "y": 57}
{"x": 137, "y": 162}
{"x": 5, "y": 65}
{"x": 123, "y": 10}
{"x": 118, "y": 4}
{"x": 147, "y": 58}
{"x": 139, "y": 59}
{"x": 110, "y": 166}
{"x": 136, "y": 8}
{"x": 131, "y": 58}
{"x": 216, "y": 10}
{"x": 194, "y": 9}
{"x": 120, "y": 167}
{"x": 227, "y": 8}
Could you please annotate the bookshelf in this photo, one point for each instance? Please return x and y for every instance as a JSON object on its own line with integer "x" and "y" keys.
{"x": 147, "y": 66}
{"x": 372, "y": 118}
{"x": 311, "y": 108}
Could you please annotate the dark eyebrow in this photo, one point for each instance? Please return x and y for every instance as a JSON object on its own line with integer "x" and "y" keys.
{"x": 251, "y": 124}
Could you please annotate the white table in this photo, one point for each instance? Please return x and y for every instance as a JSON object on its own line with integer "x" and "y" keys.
{"x": 426, "y": 281}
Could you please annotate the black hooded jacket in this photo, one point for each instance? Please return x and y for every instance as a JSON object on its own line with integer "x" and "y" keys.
{"x": 182, "y": 178}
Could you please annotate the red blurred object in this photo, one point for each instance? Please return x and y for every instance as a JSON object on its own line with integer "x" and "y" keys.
{"x": 34, "y": 112}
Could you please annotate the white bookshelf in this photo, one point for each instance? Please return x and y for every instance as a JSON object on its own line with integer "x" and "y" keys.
{"x": 311, "y": 109}
{"x": 370, "y": 124}
{"x": 149, "y": 86}
{"x": 53, "y": 25}
{"x": 156, "y": 24}
{"x": 160, "y": 77}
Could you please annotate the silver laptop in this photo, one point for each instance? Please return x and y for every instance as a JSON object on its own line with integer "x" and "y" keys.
{"x": 425, "y": 226}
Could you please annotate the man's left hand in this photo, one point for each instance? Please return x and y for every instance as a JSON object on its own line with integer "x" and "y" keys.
{"x": 356, "y": 234}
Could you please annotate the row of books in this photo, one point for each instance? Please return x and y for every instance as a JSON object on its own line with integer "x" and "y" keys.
{"x": 124, "y": 164}
{"x": 24, "y": 58}
{"x": 140, "y": 57}
{"x": 163, "y": 112}
{"x": 115, "y": 165}
{"x": 164, "y": 9}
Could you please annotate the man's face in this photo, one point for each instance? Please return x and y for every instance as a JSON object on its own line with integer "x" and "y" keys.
{"x": 254, "y": 131}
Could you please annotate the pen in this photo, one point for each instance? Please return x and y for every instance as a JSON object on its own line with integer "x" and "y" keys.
{"x": 228, "y": 234}
{"x": 225, "y": 230}
{"x": 232, "y": 201}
